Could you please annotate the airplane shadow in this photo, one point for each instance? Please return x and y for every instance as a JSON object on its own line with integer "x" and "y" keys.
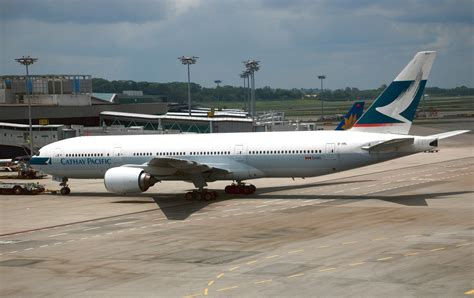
{"x": 182, "y": 209}
{"x": 406, "y": 200}
{"x": 175, "y": 207}
{"x": 261, "y": 190}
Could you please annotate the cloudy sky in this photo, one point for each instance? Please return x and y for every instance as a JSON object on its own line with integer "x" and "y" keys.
{"x": 361, "y": 44}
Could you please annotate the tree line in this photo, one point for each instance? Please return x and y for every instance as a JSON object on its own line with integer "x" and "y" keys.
{"x": 178, "y": 91}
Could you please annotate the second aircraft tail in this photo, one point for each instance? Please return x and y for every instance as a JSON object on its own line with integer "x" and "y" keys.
{"x": 352, "y": 116}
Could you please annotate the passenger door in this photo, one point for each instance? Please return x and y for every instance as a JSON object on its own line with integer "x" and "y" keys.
{"x": 330, "y": 151}
{"x": 239, "y": 152}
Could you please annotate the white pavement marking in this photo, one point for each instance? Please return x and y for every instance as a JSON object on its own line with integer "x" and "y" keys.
{"x": 57, "y": 235}
{"x": 93, "y": 228}
{"x": 124, "y": 223}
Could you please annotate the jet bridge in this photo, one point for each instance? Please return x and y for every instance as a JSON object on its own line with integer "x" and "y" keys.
{"x": 181, "y": 123}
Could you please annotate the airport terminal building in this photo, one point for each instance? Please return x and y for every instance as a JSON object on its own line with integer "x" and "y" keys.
{"x": 64, "y": 106}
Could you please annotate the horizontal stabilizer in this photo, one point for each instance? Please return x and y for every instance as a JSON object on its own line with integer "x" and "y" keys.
{"x": 390, "y": 145}
{"x": 448, "y": 134}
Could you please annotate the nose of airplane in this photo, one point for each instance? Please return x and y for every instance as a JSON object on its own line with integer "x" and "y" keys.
{"x": 42, "y": 159}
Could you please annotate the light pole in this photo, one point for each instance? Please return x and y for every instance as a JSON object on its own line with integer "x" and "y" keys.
{"x": 217, "y": 90}
{"x": 252, "y": 66}
{"x": 321, "y": 77}
{"x": 245, "y": 75}
{"x": 249, "y": 99}
{"x": 26, "y": 61}
{"x": 188, "y": 61}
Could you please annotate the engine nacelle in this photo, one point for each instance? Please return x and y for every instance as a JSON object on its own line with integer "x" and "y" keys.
{"x": 127, "y": 180}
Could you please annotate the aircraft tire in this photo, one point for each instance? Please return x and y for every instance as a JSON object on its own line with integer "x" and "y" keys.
{"x": 189, "y": 196}
{"x": 65, "y": 191}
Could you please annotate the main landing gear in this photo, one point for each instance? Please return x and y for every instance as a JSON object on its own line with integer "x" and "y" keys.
{"x": 240, "y": 188}
{"x": 201, "y": 194}
{"x": 65, "y": 190}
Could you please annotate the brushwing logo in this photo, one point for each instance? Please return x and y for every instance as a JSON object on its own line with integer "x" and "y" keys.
{"x": 402, "y": 102}
{"x": 349, "y": 122}
{"x": 40, "y": 160}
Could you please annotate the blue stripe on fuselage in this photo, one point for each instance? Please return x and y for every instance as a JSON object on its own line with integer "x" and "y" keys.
{"x": 40, "y": 160}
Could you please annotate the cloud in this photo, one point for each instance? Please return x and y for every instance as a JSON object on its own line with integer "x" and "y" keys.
{"x": 93, "y": 11}
{"x": 356, "y": 43}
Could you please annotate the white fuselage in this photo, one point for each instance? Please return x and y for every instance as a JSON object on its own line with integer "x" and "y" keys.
{"x": 243, "y": 155}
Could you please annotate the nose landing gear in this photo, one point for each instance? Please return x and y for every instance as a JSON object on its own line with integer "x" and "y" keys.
{"x": 65, "y": 190}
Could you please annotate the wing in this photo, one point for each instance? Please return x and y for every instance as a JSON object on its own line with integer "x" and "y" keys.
{"x": 167, "y": 166}
{"x": 389, "y": 145}
{"x": 196, "y": 172}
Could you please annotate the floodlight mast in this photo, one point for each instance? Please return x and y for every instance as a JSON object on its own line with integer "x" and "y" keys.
{"x": 26, "y": 61}
{"x": 217, "y": 90}
{"x": 321, "y": 77}
{"x": 245, "y": 75}
{"x": 249, "y": 91}
{"x": 252, "y": 66}
{"x": 188, "y": 60}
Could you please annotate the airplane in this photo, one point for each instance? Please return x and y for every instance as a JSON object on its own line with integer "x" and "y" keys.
{"x": 8, "y": 165}
{"x": 134, "y": 163}
{"x": 351, "y": 117}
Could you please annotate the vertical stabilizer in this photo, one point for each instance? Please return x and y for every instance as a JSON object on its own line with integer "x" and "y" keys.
{"x": 351, "y": 117}
{"x": 393, "y": 111}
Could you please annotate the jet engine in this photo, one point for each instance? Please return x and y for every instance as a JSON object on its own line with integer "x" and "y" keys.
{"x": 128, "y": 180}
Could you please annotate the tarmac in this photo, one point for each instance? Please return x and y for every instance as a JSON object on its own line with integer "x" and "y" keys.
{"x": 401, "y": 228}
